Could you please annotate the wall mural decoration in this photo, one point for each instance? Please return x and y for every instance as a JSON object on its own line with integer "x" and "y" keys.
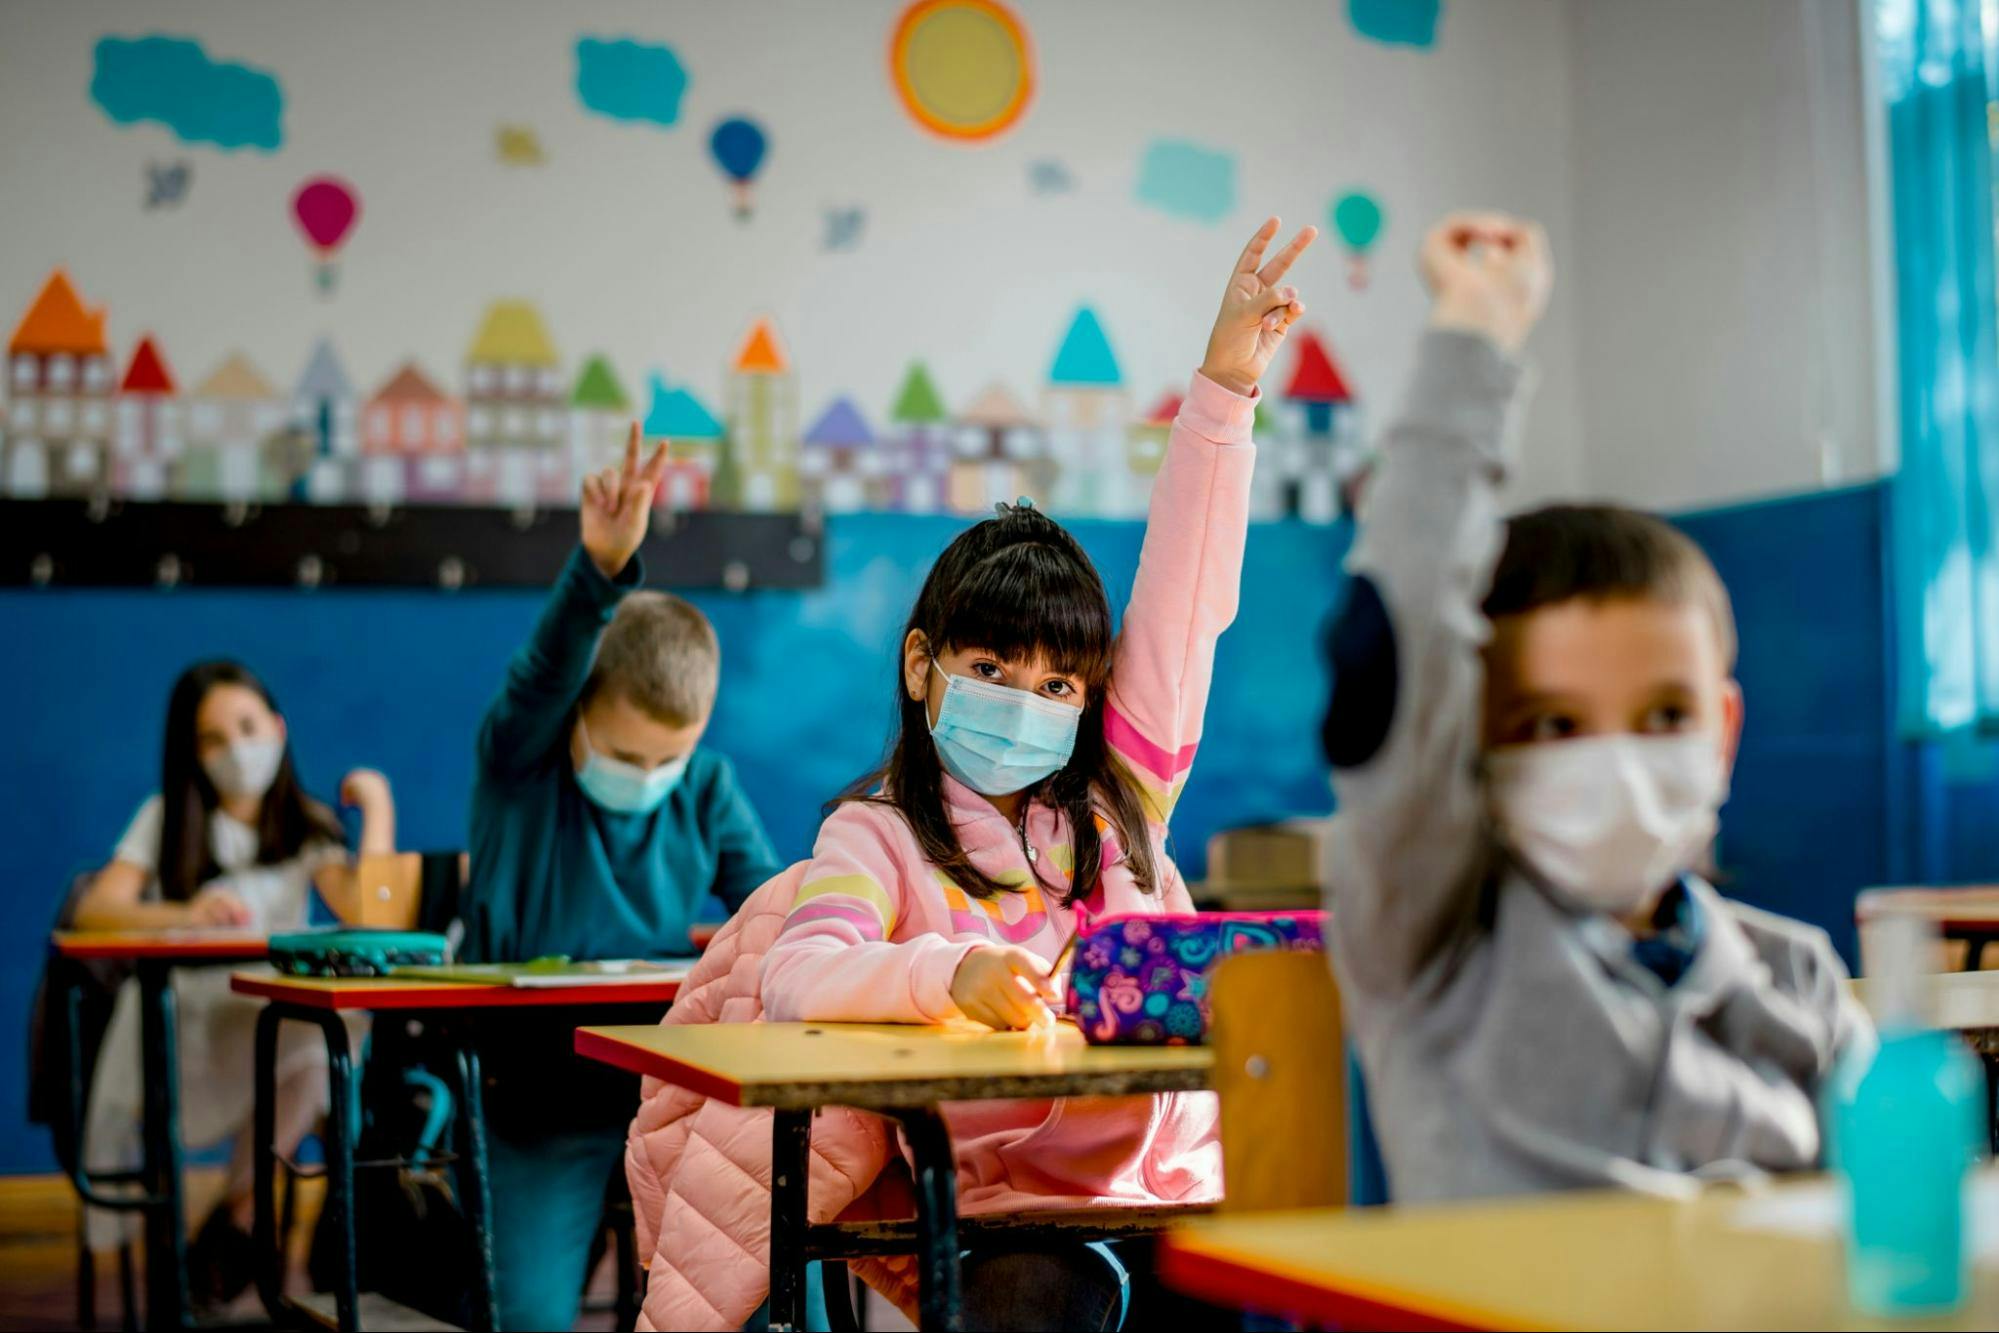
{"x": 963, "y": 69}
{"x": 173, "y": 82}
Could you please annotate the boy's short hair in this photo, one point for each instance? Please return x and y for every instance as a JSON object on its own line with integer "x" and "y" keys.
{"x": 1605, "y": 553}
{"x": 661, "y": 653}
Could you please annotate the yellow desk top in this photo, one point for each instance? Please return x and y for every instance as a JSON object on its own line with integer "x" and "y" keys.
{"x": 384, "y": 993}
{"x": 1965, "y": 1002}
{"x": 795, "y": 1066}
{"x": 1588, "y": 1261}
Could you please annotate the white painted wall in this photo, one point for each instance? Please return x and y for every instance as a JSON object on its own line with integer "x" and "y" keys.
{"x": 1723, "y": 271}
{"x": 625, "y": 240}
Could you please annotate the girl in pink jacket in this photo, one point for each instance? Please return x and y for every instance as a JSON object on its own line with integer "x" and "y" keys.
{"x": 1027, "y": 792}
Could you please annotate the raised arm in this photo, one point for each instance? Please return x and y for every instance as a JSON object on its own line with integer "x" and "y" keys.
{"x": 529, "y": 718}
{"x": 1403, "y": 729}
{"x": 1190, "y": 566}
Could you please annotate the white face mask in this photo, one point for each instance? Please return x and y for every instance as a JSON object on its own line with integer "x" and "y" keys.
{"x": 247, "y": 768}
{"x": 1608, "y": 821}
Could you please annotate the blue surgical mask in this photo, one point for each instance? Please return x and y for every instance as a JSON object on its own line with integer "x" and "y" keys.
{"x": 622, "y": 788}
{"x": 998, "y": 740}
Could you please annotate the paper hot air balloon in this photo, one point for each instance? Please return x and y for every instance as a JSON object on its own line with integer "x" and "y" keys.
{"x": 326, "y": 209}
{"x": 737, "y": 146}
{"x": 1357, "y": 218}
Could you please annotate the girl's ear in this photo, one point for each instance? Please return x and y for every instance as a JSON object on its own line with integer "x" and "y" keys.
{"x": 915, "y": 665}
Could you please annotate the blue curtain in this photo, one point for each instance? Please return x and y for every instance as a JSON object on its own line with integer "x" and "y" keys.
{"x": 1933, "y": 60}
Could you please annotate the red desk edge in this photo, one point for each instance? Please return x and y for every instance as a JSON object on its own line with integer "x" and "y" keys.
{"x": 1242, "y": 1287}
{"x": 240, "y": 948}
{"x": 651, "y": 1064}
{"x": 452, "y": 995}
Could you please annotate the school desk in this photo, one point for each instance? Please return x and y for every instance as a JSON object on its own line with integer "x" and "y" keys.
{"x": 1968, "y": 912}
{"x": 154, "y": 954}
{"x": 321, "y": 1001}
{"x": 1592, "y": 1260}
{"x": 903, "y": 1072}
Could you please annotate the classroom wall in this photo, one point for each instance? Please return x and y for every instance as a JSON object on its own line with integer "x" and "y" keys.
{"x": 1725, "y": 256}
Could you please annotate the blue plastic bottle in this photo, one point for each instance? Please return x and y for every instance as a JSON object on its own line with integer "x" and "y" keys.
{"x": 1905, "y": 1130}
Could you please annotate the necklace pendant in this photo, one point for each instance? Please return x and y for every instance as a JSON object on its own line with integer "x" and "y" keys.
{"x": 1033, "y": 854}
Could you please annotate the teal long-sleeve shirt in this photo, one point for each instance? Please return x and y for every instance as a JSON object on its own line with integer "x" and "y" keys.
{"x": 553, "y": 872}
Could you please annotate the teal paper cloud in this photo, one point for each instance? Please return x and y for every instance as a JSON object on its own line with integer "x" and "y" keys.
{"x": 1187, "y": 180}
{"x": 628, "y": 80}
{"x": 1396, "y": 22}
{"x": 173, "y": 81}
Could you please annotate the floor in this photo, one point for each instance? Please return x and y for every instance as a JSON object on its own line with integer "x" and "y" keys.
{"x": 38, "y": 1217}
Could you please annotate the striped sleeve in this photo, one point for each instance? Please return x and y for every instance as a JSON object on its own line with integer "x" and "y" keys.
{"x": 1184, "y": 595}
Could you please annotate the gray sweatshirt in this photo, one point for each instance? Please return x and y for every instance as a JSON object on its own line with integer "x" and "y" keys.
{"x": 1509, "y": 1042}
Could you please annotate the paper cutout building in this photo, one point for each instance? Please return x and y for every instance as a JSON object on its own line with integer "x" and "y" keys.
{"x": 516, "y": 434}
{"x": 413, "y": 444}
{"x": 1308, "y": 464}
{"x": 59, "y": 382}
{"x": 1086, "y": 410}
{"x": 315, "y": 459}
{"x": 1001, "y": 454}
{"x": 917, "y": 448}
{"x": 696, "y": 447}
{"x": 839, "y": 467}
{"x": 149, "y": 425}
{"x": 231, "y": 415}
{"x": 758, "y": 470}
{"x": 599, "y": 415}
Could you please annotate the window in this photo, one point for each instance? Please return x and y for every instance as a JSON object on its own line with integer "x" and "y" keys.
{"x": 513, "y": 424}
{"x": 479, "y": 423}
{"x": 551, "y": 424}
{"x": 483, "y": 378}
{"x": 61, "y": 371}
{"x": 96, "y": 374}
{"x": 380, "y": 425}
{"x": 444, "y": 430}
{"x": 518, "y": 379}
{"x": 413, "y": 432}
{"x": 59, "y": 418}
{"x": 27, "y": 370}
{"x": 205, "y": 420}
{"x": 95, "y": 419}
{"x": 550, "y": 381}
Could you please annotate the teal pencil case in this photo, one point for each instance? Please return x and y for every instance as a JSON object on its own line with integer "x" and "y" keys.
{"x": 344, "y": 951}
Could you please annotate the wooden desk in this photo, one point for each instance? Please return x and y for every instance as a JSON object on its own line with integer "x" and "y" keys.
{"x": 1967, "y": 912}
{"x": 154, "y": 955}
{"x": 1966, "y": 1003}
{"x": 903, "y": 1072}
{"x": 1594, "y": 1260}
{"x": 321, "y": 1001}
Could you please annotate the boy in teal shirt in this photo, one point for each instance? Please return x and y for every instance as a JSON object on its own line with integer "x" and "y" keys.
{"x": 599, "y": 828}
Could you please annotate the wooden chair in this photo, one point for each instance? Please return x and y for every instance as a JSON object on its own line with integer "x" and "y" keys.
{"x": 1281, "y": 1070}
{"x": 402, "y": 891}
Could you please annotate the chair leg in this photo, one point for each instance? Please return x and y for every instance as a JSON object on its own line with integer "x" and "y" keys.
{"x": 631, "y": 1278}
{"x": 837, "y": 1280}
{"x": 86, "y": 1275}
{"x": 128, "y": 1292}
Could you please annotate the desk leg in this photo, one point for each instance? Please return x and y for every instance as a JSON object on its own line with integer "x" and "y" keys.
{"x": 939, "y": 1304}
{"x": 263, "y": 1148}
{"x": 166, "y": 1227}
{"x": 474, "y": 1181}
{"x": 342, "y": 1118}
{"x": 790, "y": 1173}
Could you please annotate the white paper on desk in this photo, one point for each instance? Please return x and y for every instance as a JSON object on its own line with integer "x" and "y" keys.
{"x": 1820, "y": 1211}
{"x": 616, "y": 972}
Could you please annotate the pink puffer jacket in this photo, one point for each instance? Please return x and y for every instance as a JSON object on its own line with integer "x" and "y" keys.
{"x": 700, "y": 1170}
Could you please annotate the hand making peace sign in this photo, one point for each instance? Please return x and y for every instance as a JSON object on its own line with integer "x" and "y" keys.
{"x": 617, "y": 503}
{"x": 1256, "y": 312}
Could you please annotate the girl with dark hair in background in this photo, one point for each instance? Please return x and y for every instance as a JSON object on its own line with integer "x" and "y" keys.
{"x": 231, "y": 839}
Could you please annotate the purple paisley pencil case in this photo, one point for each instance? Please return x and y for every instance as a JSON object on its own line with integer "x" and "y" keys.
{"x": 1143, "y": 980}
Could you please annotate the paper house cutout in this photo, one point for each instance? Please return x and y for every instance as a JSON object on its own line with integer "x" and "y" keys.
{"x": 58, "y": 321}
{"x": 1085, "y": 358}
{"x": 148, "y": 372}
{"x": 840, "y": 426}
{"x": 512, "y": 334}
{"x": 677, "y": 414}
{"x": 597, "y": 388}
{"x": 917, "y": 402}
{"x": 761, "y": 352}
{"x": 1315, "y": 376}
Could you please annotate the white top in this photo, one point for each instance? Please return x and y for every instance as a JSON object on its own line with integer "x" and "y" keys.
{"x": 277, "y": 893}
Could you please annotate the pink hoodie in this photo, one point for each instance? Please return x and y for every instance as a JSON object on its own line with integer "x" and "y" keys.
{"x": 876, "y": 933}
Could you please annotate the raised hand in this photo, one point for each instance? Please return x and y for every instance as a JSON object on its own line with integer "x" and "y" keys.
{"x": 1256, "y": 312}
{"x": 1490, "y": 274}
{"x": 617, "y": 504}
{"x": 366, "y": 790}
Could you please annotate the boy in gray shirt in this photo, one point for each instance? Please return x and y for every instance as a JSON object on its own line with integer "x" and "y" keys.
{"x": 1531, "y": 729}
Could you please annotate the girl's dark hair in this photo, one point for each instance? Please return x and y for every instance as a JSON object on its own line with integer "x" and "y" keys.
{"x": 288, "y": 820}
{"x": 1015, "y": 585}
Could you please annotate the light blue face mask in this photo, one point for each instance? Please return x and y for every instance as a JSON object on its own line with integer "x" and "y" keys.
{"x": 626, "y": 789}
{"x": 998, "y": 740}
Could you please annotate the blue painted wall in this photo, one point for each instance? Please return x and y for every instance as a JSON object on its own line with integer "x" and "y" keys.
{"x": 397, "y": 681}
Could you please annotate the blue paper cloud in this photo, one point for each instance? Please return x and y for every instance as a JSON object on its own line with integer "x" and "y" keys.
{"x": 628, "y": 80}
{"x": 1187, "y": 180}
{"x": 173, "y": 81}
{"x": 1396, "y": 22}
